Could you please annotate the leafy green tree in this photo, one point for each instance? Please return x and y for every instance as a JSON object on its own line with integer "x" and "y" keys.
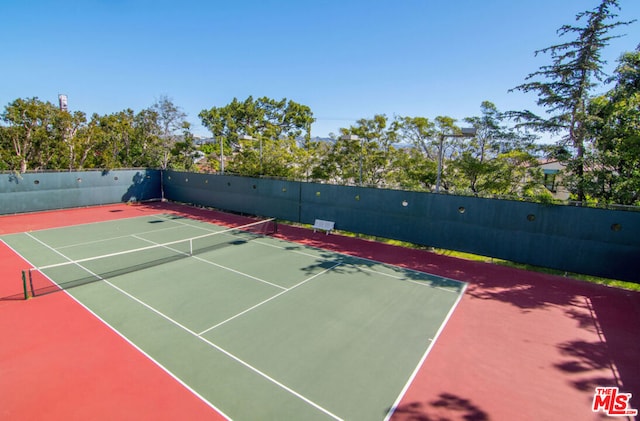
{"x": 147, "y": 148}
{"x": 30, "y": 132}
{"x": 247, "y": 160}
{"x": 480, "y": 155}
{"x": 7, "y": 158}
{"x": 38, "y": 135}
{"x": 280, "y": 158}
{"x": 363, "y": 154}
{"x": 267, "y": 122}
{"x": 211, "y": 160}
{"x": 375, "y": 148}
{"x": 564, "y": 86}
{"x": 85, "y": 148}
{"x": 447, "y": 140}
{"x": 184, "y": 151}
{"x": 309, "y": 156}
{"x": 614, "y": 165}
{"x": 412, "y": 170}
{"x": 340, "y": 163}
{"x": 115, "y": 134}
{"x": 68, "y": 129}
{"x": 420, "y": 132}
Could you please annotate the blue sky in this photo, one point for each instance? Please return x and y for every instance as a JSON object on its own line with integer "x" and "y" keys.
{"x": 346, "y": 59}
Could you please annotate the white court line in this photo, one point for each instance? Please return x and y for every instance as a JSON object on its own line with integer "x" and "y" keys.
{"x": 404, "y": 268}
{"x": 424, "y": 357}
{"x": 95, "y": 222}
{"x": 213, "y": 263}
{"x": 167, "y": 218}
{"x": 218, "y": 348}
{"x": 103, "y": 240}
{"x": 285, "y": 290}
{"x": 160, "y": 216}
{"x": 153, "y": 360}
{"x": 268, "y": 299}
{"x": 298, "y": 251}
{"x": 424, "y": 283}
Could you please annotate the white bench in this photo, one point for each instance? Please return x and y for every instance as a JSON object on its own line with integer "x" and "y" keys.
{"x": 321, "y": 224}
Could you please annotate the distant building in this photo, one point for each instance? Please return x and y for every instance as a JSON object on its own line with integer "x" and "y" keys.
{"x": 553, "y": 172}
{"x": 203, "y": 140}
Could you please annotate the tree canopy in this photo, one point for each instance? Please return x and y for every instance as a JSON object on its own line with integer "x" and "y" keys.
{"x": 565, "y": 86}
{"x": 492, "y": 154}
{"x": 37, "y": 135}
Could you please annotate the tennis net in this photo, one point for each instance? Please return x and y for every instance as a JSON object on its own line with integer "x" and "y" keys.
{"x": 72, "y": 273}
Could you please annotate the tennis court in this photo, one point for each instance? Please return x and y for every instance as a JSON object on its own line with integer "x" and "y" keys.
{"x": 255, "y": 326}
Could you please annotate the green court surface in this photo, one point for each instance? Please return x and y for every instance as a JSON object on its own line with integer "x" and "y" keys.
{"x": 258, "y": 327}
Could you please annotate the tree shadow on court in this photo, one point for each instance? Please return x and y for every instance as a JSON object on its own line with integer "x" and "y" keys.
{"x": 142, "y": 188}
{"x": 586, "y": 362}
{"x": 583, "y": 356}
{"x": 613, "y": 359}
{"x": 524, "y": 290}
{"x": 448, "y": 406}
{"x": 350, "y": 265}
{"x": 610, "y": 313}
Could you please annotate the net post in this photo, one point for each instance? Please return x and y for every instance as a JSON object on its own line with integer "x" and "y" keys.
{"x": 24, "y": 285}
{"x": 33, "y": 291}
{"x": 190, "y": 246}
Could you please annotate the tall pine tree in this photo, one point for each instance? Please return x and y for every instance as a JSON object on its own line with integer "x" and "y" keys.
{"x": 564, "y": 86}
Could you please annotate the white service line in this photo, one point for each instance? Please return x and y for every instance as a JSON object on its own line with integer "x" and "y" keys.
{"x": 102, "y": 240}
{"x": 168, "y": 219}
{"x": 214, "y": 264}
{"x": 268, "y": 299}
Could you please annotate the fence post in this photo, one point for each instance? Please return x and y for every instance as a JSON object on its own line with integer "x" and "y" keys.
{"x": 24, "y": 286}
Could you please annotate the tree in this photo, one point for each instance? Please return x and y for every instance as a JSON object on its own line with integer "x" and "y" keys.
{"x": 481, "y": 156}
{"x": 447, "y": 136}
{"x": 29, "y": 131}
{"x": 39, "y": 136}
{"x": 69, "y": 129}
{"x": 340, "y": 162}
{"x": 184, "y": 151}
{"x": 115, "y": 133}
{"x": 309, "y": 157}
{"x": 171, "y": 120}
{"x": 412, "y": 170}
{"x": 363, "y": 154}
{"x": 268, "y": 122}
{"x": 516, "y": 173}
{"x": 147, "y": 148}
{"x": 614, "y": 174}
{"x": 7, "y": 159}
{"x": 83, "y": 152}
{"x": 375, "y": 156}
{"x": 421, "y": 133}
{"x": 564, "y": 86}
